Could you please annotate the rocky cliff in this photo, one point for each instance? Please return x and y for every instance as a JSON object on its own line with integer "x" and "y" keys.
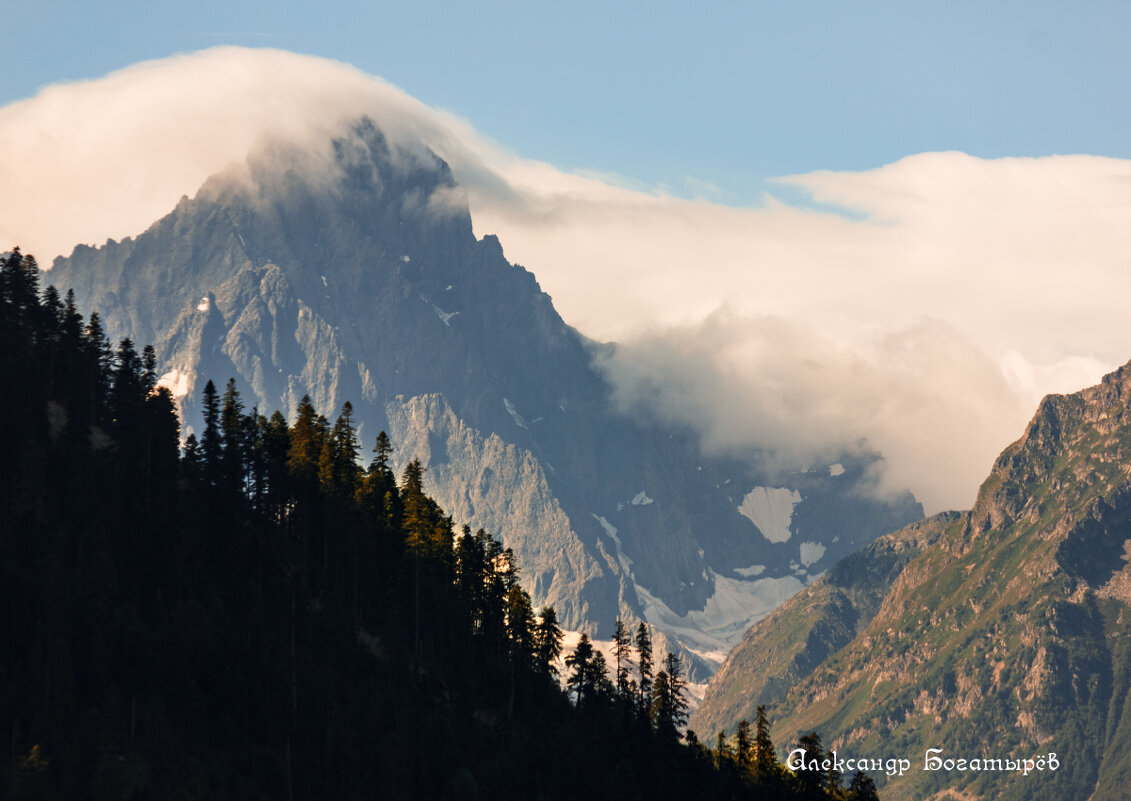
{"x": 356, "y": 276}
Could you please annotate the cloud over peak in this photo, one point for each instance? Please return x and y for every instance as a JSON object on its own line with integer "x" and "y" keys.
{"x": 927, "y": 320}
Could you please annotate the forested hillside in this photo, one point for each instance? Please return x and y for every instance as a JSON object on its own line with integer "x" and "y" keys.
{"x": 257, "y": 616}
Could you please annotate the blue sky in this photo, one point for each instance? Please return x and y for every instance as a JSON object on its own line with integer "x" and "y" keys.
{"x": 706, "y": 101}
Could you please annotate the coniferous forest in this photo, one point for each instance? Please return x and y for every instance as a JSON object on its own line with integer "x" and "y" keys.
{"x": 252, "y": 614}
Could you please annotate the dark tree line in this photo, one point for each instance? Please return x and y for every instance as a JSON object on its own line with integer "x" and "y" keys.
{"x": 255, "y": 614}
{"x": 660, "y": 703}
{"x": 752, "y": 758}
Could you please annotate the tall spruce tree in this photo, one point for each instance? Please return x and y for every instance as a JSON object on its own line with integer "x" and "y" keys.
{"x": 579, "y": 680}
{"x": 677, "y": 691}
{"x": 548, "y": 642}
{"x": 862, "y": 788}
{"x": 811, "y": 782}
{"x": 520, "y": 625}
{"x": 764, "y": 754}
{"x": 211, "y": 439}
{"x": 743, "y": 745}
{"x": 622, "y": 652}
{"x": 233, "y": 439}
{"x": 644, "y": 668}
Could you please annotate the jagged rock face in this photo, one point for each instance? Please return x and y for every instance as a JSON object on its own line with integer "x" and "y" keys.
{"x": 360, "y": 279}
{"x": 1007, "y": 635}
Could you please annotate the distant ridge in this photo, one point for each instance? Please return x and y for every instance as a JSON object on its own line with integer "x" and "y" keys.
{"x": 1004, "y": 631}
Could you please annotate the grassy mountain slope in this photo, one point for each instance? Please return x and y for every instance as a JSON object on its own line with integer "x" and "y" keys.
{"x": 1008, "y": 636}
{"x": 794, "y": 640}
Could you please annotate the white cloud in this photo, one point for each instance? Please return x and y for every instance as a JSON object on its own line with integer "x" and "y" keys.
{"x": 935, "y": 405}
{"x": 929, "y": 327}
{"x": 85, "y": 161}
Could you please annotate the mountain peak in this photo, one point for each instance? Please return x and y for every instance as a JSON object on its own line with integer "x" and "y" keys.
{"x": 1004, "y": 633}
{"x": 1065, "y": 428}
{"x": 348, "y": 270}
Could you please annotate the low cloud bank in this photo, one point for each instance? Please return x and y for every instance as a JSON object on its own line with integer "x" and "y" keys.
{"x": 924, "y": 396}
{"x": 923, "y": 306}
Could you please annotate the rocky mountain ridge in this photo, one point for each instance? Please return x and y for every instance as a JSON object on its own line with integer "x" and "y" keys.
{"x": 1007, "y": 634}
{"x": 361, "y": 279}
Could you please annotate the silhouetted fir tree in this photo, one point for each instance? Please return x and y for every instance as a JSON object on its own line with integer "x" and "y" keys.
{"x": 73, "y": 364}
{"x": 743, "y": 745}
{"x": 811, "y": 782}
{"x": 233, "y": 439}
{"x": 127, "y": 429}
{"x": 162, "y": 440}
{"x": 148, "y": 369}
{"x": 660, "y": 710}
{"x": 600, "y": 687}
{"x": 211, "y": 439}
{"x": 191, "y": 459}
{"x": 862, "y": 788}
{"x": 644, "y": 669}
{"x": 307, "y": 437}
{"x": 305, "y": 445}
{"x": 428, "y": 543}
{"x": 417, "y": 520}
{"x": 579, "y": 679}
{"x": 380, "y": 500}
{"x": 339, "y": 472}
{"x": 676, "y": 691}
{"x": 273, "y": 441}
{"x": 383, "y": 451}
{"x": 622, "y": 652}
{"x": 127, "y": 395}
{"x": 548, "y": 642}
{"x": 470, "y": 578}
{"x": 19, "y": 292}
{"x": 765, "y": 762}
{"x": 697, "y": 748}
{"x": 520, "y": 625}
{"x": 722, "y": 752}
{"x": 507, "y": 569}
{"x": 50, "y": 323}
{"x": 98, "y": 358}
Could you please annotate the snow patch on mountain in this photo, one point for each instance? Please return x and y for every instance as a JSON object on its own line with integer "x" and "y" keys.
{"x": 716, "y": 658}
{"x": 623, "y": 558}
{"x": 443, "y": 315}
{"x": 771, "y": 510}
{"x": 735, "y": 606}
{"x": 811, "y": 552}
{"x": 518, "y": 421}
{"x": 695, "y": 690}
{"x": 571, "y": 638}
{"x": 176, "y": 382}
